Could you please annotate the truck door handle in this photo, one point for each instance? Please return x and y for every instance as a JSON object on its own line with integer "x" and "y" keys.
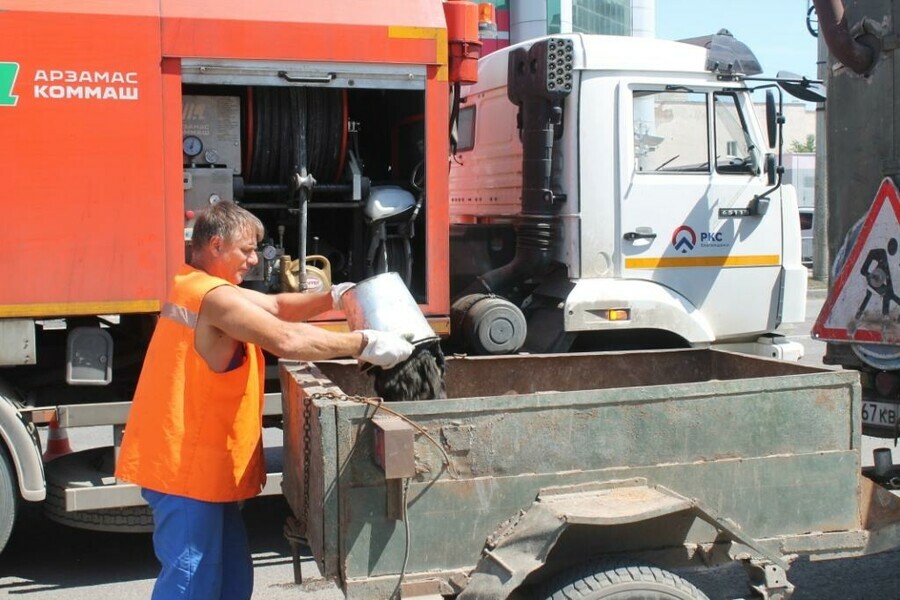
{"x": 641, "y": 234}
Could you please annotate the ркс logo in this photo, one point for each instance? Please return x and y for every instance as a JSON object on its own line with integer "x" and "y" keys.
{"x": 8, "y": 72}
{"x": 684, "y": 239}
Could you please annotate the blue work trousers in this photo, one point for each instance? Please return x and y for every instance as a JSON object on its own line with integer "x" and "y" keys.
{"x": 202, "y": 547}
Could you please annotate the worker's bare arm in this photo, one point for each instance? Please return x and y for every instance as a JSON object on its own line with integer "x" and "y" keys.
{"x": 230, "y": 310}
{"x": 290, "y": 307}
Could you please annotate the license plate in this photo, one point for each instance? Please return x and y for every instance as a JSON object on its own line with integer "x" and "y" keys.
{"x": 879, "y": 413}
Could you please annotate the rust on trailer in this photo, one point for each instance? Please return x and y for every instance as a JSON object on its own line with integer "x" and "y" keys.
{"x": 616, "y": 503}
{"x": 878, "y": 507}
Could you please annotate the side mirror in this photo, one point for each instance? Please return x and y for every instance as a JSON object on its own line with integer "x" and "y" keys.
{"x": 770, "y": 169}
{"x": 801, "y": 87}
{"x": 771, "y": 118}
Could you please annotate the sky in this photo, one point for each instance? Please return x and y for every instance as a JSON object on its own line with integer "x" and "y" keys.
{"x": 775, "y": 30}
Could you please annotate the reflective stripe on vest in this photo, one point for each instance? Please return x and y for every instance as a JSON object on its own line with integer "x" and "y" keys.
{"x": 179, "y": 314}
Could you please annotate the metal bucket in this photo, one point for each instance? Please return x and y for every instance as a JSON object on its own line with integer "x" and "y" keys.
{"x": 384, "y": 303}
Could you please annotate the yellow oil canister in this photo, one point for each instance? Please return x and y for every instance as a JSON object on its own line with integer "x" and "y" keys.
{"x": 318, "y": 274}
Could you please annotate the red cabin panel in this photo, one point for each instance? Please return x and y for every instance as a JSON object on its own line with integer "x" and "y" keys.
{"x": 82, "y": 160}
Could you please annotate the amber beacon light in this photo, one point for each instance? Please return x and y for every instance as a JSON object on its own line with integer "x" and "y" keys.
{"x": 487, "y": 19}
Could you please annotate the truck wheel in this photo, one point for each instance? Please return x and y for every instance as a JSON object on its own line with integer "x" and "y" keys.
{"x": 620, "y": 582}
{"x": 86, "y": 469}
{"x": 9, "y": 499}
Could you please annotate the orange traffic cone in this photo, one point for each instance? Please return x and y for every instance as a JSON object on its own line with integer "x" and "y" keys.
{"x": 57, "y": 441}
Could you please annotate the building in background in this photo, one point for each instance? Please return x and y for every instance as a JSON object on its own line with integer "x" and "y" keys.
{"x": 519, "y": 20}
{"x": 800, "y": 172}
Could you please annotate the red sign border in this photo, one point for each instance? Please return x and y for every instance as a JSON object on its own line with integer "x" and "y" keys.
{"x": 886, "y": 191}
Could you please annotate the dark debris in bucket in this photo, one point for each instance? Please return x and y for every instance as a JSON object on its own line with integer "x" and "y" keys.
{"x": 420, "y": 377}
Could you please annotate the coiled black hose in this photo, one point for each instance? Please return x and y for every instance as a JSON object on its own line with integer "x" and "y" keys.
{"x": 276, "y": 118}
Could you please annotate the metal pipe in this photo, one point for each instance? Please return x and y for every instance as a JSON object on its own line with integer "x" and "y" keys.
{"x": 304, "y": 225}
{"x": 821, "y": 257}
{"x": 251, "y": 206}
{"x": 276, "y": 188}
{"x": 539, "y": 81}
{"x": 833, "y": 26}
{"x": 265, "y": 188}
{"x": 303, "y": 179}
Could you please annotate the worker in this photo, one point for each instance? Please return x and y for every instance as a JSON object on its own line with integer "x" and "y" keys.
{"x": 193, "y": 440}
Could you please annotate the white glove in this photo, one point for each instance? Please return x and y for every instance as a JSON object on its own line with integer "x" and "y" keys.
{"x": 337, "y": 291}
{"x": 385, "y": 349}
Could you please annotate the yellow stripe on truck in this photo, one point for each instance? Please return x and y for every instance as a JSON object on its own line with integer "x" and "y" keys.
{"x": 68, "y": 309}
{"x": 663, "y": 262}
{"x": 437, "y": 34}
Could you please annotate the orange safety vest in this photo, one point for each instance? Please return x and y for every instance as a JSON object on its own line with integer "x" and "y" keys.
{"x": 193, "y": 432}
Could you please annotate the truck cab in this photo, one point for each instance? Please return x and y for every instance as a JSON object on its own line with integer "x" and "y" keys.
{"x": 665, "y": 228}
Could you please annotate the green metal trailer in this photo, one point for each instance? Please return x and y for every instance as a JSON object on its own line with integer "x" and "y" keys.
{"x": 579, "y": 474}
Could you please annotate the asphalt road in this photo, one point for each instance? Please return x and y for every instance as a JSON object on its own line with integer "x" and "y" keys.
{"x": 45, "y": 561}
{"x": 50, "y": 562}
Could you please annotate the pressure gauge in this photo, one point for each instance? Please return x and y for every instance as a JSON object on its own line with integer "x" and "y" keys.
{"x": 191, "y": 145}
{"x": 269, "y": 252}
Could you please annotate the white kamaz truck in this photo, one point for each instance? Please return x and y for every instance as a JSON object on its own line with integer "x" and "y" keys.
{"x": 633, "y": 200}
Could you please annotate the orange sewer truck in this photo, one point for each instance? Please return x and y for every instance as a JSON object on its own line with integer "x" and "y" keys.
{"x": 328, "y": 120}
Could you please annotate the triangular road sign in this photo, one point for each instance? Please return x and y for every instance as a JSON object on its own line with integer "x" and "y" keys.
{"x": 864, "y": 304}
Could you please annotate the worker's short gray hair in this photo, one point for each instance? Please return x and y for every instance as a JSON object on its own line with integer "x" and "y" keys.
{"x": 226, "y": 220}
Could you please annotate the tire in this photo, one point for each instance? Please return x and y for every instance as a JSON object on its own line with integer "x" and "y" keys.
{"x": 620, "y": 582}
{"x": 86, "y": 469}
{"x": 9, "y": 498}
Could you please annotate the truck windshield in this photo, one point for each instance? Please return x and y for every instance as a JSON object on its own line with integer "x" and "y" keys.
{"x": 670, "y": 132}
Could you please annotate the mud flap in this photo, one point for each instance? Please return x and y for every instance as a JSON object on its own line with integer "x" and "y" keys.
{"x": 522, "y": 544}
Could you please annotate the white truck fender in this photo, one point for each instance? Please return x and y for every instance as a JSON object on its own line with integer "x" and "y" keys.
{"x": 21, "y": 441}
{"x": 652, "y": 306}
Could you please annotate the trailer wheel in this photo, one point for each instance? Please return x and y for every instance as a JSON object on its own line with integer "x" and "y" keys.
{"x": 620, "y": 582}
{"x": 86, "y": 469}
{"x": 9, "y": 499}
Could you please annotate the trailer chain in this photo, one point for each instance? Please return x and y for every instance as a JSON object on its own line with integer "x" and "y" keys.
{"x": 307, "y": 402}
{"x": 307, "y": 416}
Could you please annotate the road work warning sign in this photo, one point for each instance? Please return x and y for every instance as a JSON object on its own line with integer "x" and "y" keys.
{"x": 864, "y": 304}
